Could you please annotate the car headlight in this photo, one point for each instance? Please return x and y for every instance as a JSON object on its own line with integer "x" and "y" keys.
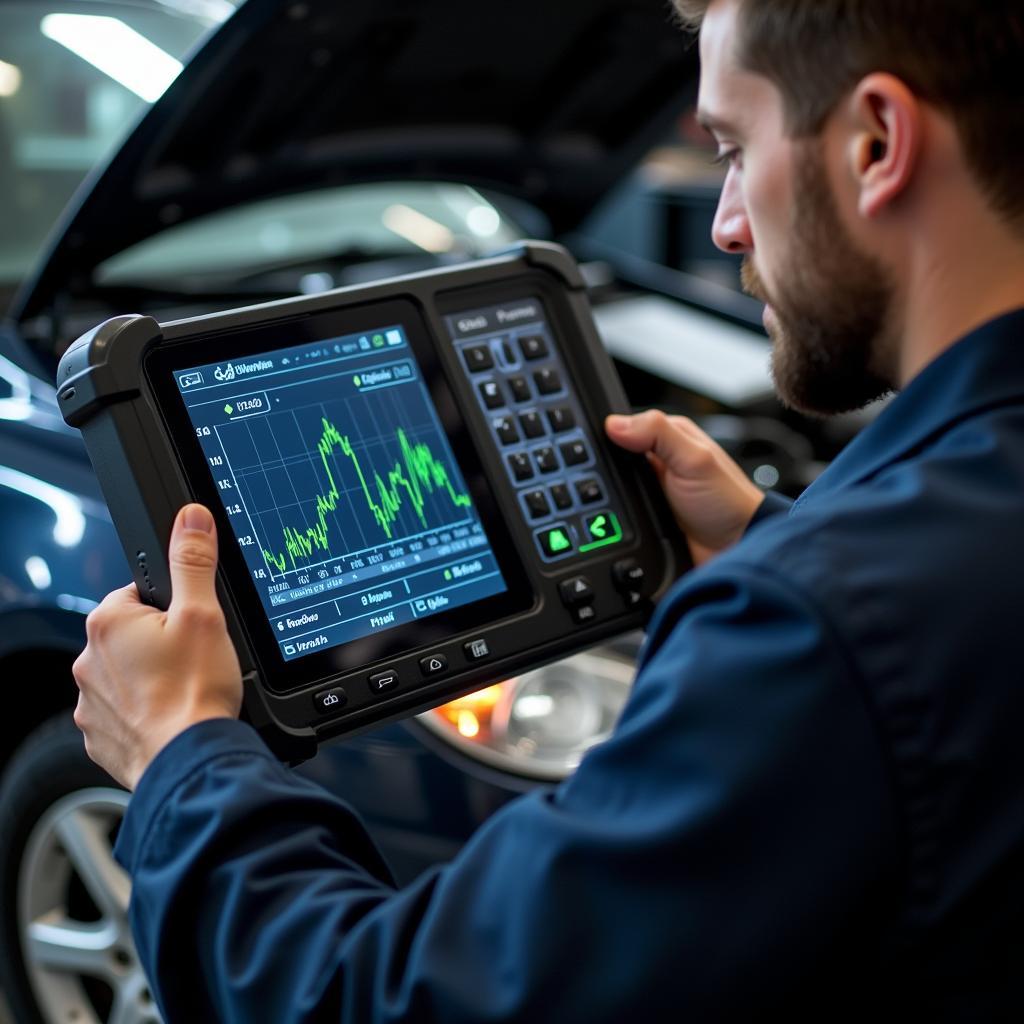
{"x": 541, "y": 723}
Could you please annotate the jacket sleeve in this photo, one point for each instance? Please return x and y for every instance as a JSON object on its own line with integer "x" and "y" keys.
{"x": 707, "y": 860}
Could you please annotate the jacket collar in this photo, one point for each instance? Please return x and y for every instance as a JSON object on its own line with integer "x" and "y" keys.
{"x": 982, "y": 370}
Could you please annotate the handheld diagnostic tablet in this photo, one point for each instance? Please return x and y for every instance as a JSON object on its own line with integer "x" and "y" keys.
{"x": 413, "y": 492}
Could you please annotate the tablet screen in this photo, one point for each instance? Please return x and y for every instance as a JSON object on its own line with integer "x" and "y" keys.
{"x": 341, "y": 486}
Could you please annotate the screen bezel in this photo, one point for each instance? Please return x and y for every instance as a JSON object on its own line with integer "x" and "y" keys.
{"x": 279, "y": 675}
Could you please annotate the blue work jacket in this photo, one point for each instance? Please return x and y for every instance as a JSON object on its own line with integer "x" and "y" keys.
{"x": 812, "y": 805}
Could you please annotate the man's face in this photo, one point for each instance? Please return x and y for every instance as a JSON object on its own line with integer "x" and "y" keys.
{"x": 829, "y": 303}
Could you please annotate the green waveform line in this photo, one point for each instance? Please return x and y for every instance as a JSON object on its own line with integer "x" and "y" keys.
{"x": 416, "y": 471}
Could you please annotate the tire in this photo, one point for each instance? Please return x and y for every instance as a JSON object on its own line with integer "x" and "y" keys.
{"x": 66, "y": 952}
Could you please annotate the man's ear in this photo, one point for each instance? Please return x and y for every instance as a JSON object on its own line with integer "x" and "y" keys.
{"x": 887, "y": 128}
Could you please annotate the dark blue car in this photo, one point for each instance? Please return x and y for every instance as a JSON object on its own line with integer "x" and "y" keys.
{"x": 308, "y": 145}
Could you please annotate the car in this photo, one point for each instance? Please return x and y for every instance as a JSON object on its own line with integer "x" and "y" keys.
{"x": 227, "y": 156}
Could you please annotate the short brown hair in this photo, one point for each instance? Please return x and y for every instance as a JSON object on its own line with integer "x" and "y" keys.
{"x": 964, "y": 56}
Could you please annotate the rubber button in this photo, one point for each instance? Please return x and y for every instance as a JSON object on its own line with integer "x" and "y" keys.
{"x": 476, "y": 650}
{"x": 433, "y": 664}
{"x": 491, "y": 394}
{"x": 329, "y": 701}
{"x": 381, "y": 682}
{"x": 589, "y": 491}
{"x": 574, "y": 452}
{"x": 583, "y": 614}
{"x": 561, "y": 419}
{"x": 505, "y": 428}
{"x": 520, "y": 465}
{"x": 628, "y": 574}
{"x": 533, "y": 347}
{"x": 532, "y": 424}
{"x": 548, "y": 380}
{"x": 520, "y": 388}
{"x": 478, "y": 357}
{"x": 555, "y": 542}
{"x": 547, "y": 461}
{"x": 561, "y": 496}
{"x": 537, "y": 504}
{"x": 576, "y": 591}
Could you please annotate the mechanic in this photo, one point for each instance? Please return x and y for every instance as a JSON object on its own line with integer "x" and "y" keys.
{"x": 814, "y": 800}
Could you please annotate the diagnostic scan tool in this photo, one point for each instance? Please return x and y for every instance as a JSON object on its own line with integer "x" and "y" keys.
{"x": 413, "y": 491}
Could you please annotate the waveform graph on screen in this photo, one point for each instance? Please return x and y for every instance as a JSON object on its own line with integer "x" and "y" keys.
{"x": 326, "y": 480}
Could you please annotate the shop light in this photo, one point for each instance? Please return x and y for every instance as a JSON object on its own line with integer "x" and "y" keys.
{"x": 418, "y": 228}
{"x": 117, "y": 50}
{"x": 10, "y": 79}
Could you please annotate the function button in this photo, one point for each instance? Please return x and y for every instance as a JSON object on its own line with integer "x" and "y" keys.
{"x": 555, "y": 542}
{"x": 491, "y": 394}
{"x": 583, "y": 614}
{"x": 561, "y": 419}
{"x": 632, "y": 598}
{"x": 576, "y": 591}
{"x": 561, "y": 496}
{"x": 478, "y": 357}
{"x": 433, "y": 664}
{"x": 574, "y": 452}
{"x": 328, "y": 701}
{"x": 533, "y": 347}
{"x": 537, "y": 504}
{"x": 520, "y": 388}
{"x": 521, "y": 467}
{"x": 381, "y": 682}
{"x": 505, "y": 428}
{"x": 532, "y": 424}
{"x": 628, "y": 574}
{"x": 548, "y": 380}
{"x": 508, "y": 356}
{"x": 589, "y": 491}
{"x": 476, "y": 650}
{"x": 547, "y": 461}
{"x": 600, "y": 529}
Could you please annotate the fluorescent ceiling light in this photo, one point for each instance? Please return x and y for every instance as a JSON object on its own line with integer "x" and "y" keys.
{"x": 10, "y": 79}
{"x": 115, "y": 49}
{"x": 418, "y": 228}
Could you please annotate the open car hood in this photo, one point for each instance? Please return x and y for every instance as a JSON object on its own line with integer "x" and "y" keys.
{"x": 552, "y": 101}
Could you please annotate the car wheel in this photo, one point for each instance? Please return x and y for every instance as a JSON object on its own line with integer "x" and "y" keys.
{"x": 66, "y": 951}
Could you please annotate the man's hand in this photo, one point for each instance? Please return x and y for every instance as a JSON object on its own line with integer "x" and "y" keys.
{"x": 146, "y": 675}
{"x": 712, "y": 498}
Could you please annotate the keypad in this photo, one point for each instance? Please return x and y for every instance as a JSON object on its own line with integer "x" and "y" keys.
{"x": 536, "y": 423}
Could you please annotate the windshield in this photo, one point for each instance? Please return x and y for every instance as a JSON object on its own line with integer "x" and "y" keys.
{"x": 74, "y": 78}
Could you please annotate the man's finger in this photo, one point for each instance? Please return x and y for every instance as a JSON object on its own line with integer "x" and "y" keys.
{"x": 653, "y": 432}
{"x": 193, "y": 559}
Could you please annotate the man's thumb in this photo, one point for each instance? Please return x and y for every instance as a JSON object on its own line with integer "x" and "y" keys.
{"x": 193, "y": 557}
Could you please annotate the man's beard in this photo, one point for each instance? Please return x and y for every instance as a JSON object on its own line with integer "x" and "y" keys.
{"x": 832, "y": 334}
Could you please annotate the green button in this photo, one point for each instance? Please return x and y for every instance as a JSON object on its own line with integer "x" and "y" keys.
{"x": 603, "y": 529}
{"x": 555, "y": 541}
